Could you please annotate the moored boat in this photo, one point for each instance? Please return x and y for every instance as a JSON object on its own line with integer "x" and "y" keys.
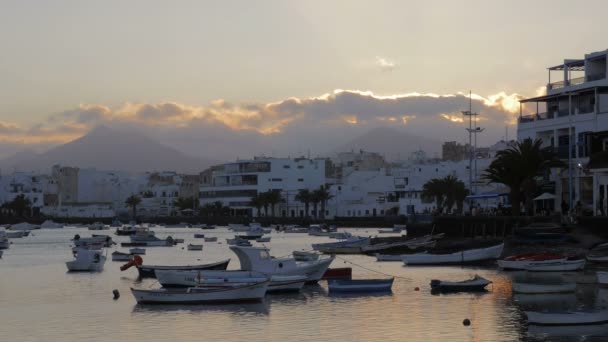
{"x": 462, "y": 257}
{"x": 388, "y": 257}
{"x": 168, "y": 279}
{"x": 137, "y": 251}
{"x": 543, "y": 288}
{"x": 120, "y": 256}
{"x": 147, "y": 271}
{"x": 263, "y": 239}
{"x": 4, "y": 242}
{"x": 427, "y": 241}
{"x": 211, "y": 239}
{"x": 567, "y": 318}
{"x": 340, "y": 273}
{"x": 98, "y": 226}
{"x": 202, "y": 294}
{"x": 126, "y": 230}
{"x": 602, "y": 278}
{"x": 474, "y": 284}
{"x": 87, "y": 260}
{"x": 17, "y": 234}
{"x": 521, "y": 261}
{"x": 238, "y": 242}
{"x": 199, "y": 236}
{"x": 557, "y": 266}
{"x": 49, "y": 224}
{"x": 349, "y": 246}
{"x": 360, "y": 285}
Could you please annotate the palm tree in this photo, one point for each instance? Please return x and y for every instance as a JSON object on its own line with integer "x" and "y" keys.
{"x": 517, "y": 167}
{"x": 132, "y": 202}
{"x": 257, "y": 202}
{"x": 19, "y": 205}
{"x": 315, "y": 199}
{"x": 460, "y": 193}
{"x": 304, "y": 196}
{"x": 433, "y": 190}
{"x": 273, "y": 197}
{"x": 322, "y": 195}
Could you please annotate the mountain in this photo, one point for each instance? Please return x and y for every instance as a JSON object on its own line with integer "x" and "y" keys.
{"x": 108, "y": 149}
{"x": 392, "y": 143}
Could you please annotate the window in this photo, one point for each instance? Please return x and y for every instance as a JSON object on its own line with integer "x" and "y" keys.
{"x": 300, "y": 179}
{"x": 286, "y": 167}
{"x": 339, "y": 188}
{"x": 366, "y": 212}
{"x": 276, "y": 179}
{"x": 419, "y": 170}
{"x": 300, "y": 167}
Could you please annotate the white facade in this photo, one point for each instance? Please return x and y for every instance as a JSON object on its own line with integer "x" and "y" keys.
{"x": 234, "y": 184}
{"x": 22, "y": 183}
{"x": 79, "y": 211}
{"x": 573, "y": 119}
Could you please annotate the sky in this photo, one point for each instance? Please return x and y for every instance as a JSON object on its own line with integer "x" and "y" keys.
{"x": 244, "y": 71}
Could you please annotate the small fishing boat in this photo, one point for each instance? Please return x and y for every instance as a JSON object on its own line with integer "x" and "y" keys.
{"x": 296, "y": 230}
{"x": 263, "y": 239}
{"x": 602, "y": 278}
{"x": 120, "y": 256}
{"x": 24, "y": 226}
{"x": 147, "y": 271}
{"x": 211, "y": 239}
{"x": 87, "y": 260}
{"x": 340, "y": 235}
{"x": 203, "y": 294}
{"x": 599, "y": 253}
{"x": 4, "y": 242}
{"x": 168, "y": 279}
{"x": 474, "y": 284}
{"x": 49, "y": 224}
{"x": 199, "y": 236}
{"x": 317, "y": 230}
{"x": 521, "y": 261}
{"x": 360, "y": 285}
{"x": 238, "y": 242}
{"x": 137, "y": 251}
{"x": 339, "y": 273}
{"x": 98, "y": 226}
{"x": 192, "y": 247}
{"x": 126, "y": 230}
{"x": 557, "y": 266}
{"x": 103, "y": 240}
{"x": 567, "y": 318}
{"x": 398, "y": 228}
{"x": 427, "y": 241}
{"x": 388, "y": 257}
{"x": 305, "y": 256}
{"x": 543, "y": 288}
{"x": 462, "y": 257}
{"x": 207, "y": 226}
{"x": 350, "y": 246}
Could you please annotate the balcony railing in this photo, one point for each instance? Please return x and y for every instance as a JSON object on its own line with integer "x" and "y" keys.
{"x": 596, "y": 77}
{"x": 576, "y": 81}
{"x": 556, "y": 85}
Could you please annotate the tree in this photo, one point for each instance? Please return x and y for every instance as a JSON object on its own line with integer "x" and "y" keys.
{"x": 257, "y": 202}
{"x": 132, "y": 202}
{"x": 304, "y": 196}
{"x": 216, "y": 208}
{"x": 273, "y": 197}
{"x": 315, "y": 199}
{"x": 322, "y": 195}
{"x": 433, "y": 191}
{"x": 518, "y": 166}
{"x": 186, "y": 203}
{"x": 19, "y": 205}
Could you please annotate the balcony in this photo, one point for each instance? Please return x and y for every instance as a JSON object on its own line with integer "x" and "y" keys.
{"x": 596, "y": 77}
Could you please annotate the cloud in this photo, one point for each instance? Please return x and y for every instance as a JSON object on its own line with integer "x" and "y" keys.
{"x": 385, "y": 64}
{"x": 222, "y": 129}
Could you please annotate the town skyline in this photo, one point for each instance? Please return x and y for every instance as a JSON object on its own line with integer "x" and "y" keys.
{"x": 247, "y": 89}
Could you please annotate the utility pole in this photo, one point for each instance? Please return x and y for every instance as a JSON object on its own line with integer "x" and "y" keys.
{"x": 473, "y": 130}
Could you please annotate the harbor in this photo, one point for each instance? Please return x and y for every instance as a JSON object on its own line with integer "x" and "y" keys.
{"x": 73, "y": 300}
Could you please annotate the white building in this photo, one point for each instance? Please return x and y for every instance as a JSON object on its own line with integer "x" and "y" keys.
{"x": 234, "y": 184}
{"x": 572, "y": 118}
{"x": 27, "y": 184}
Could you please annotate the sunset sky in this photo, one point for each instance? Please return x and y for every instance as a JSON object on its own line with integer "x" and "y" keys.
{"x": 180, "y": 70}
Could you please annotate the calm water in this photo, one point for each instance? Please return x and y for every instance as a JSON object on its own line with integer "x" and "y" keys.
{"x": 40, "y": 301}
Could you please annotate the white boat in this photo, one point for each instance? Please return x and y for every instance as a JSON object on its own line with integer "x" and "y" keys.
{"x": 93, "y": 241}
{"x": 305, "y": 256}
{"x": 263, "y": 239}
{"x": 388, "y": 257}
{"x": 87, "y": 260}
{"x": 120, "y": 256}
{"x": 476, "y": 283}
{"x": 237, "y": 227}
{"x": 557, "y": 266}
{"x": 137, "y": 251}
{"x": 49, "y": 224}
{"x": 1, "y": 252}
{"x": 238, "y": 242}
{"x": 211, "y": 239}
{"x": 17, "y": 234}
{"x": 567, "y": 318}
{"x": 251, "y": 234}
{"x": 427, "y": 241}
{"x": 317, "y": 230}
{"x": 202, "y": 294}
{"x": 4, "y": 242}
{"x": 296, "y": 230}
{"x": 543, "y": 288}
{"x": 602, "y": 278}
{"x": 192, "y": 247}
{"x": 98, "y": 226}
{"x": 521, "y": 261}
{"x": 465, "y": 256}
{"x": 170, "y": 278}
{"x": 349, "y": 246}
{"x": 397, "y": 228}
{"x": 340, "y": 235}
{"x": 24, "y": 226}
{"x": 258, "y": 259}
{"x": 143, "y": 234}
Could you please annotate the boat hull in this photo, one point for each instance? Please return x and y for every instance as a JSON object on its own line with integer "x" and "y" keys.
{"x": 255, "y": 292}
{"x": 360, "y": 286}
{"x": 569, "y": 318}
{"x": 147, "y": 271}
{"x": 463, "y": 257}
{"x": 184, "y": 279}
{"x": 560, "y": 266}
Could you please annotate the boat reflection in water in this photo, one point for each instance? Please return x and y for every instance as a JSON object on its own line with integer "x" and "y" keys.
{"x": 261, "y": 308}
{"x": 546, "y": 302}
{"x": 573, "y": 333}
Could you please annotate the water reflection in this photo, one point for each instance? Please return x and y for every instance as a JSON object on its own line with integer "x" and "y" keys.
{"x": 262, "y": 308}
{"x": 569, "y": 333}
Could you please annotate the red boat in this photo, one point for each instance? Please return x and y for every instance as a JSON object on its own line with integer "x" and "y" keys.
{"x": 342, "y": 273}
{"x": 520, "y": 261}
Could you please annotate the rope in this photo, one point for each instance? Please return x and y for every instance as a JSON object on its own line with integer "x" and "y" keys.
{"x": 372, "y": 270}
